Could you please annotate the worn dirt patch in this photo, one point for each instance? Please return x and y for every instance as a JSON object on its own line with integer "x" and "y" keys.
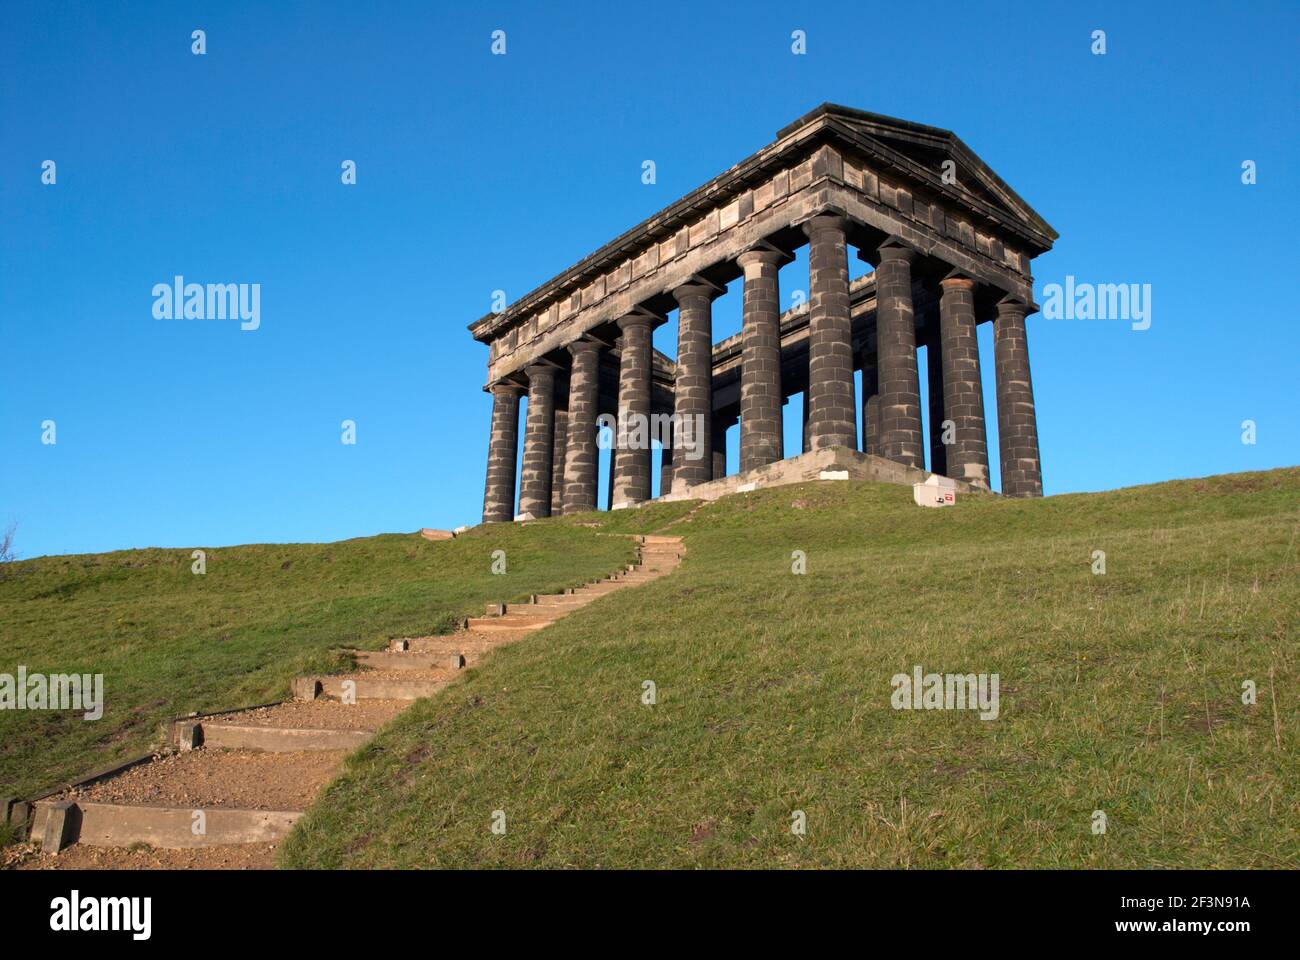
{"x": 243, "y": 779}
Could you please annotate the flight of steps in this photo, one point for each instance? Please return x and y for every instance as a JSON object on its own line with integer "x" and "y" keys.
{"x": 245, "y": 777}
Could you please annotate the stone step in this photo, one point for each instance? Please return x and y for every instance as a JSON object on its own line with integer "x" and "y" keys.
{"x": 416, "y": 660}
{"x": 231, "y": 736}
{"x": 502, "y": 626}
{"x": 515, "y": 621}
{"x": 466, "y": 643}
{"x": 59, "y": 823}
{"x": 244, "y": 796}
{"x": 369, "y": 687}
{"x": 565, "y": 603}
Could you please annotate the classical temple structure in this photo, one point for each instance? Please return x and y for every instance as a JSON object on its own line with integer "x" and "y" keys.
{"x": 950, "y": 244}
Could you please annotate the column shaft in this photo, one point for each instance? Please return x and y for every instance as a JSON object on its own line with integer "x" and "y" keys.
{"x": 535, "y": 477}
{"x": 693, "y": 390}
{"x": 667, "y": 459}
{"x": 870, "y": 407}
{"x": 720, "y": 425}
{"x": 900, "y": 384}
{"x": 760, "y": 370}
{"x": 963, "y": 391}
{"x": 559, "y": 452}
{"x": 503, "y": 449}
{"x": 1017, "y": 422}
{"x": 833, "y": 419}
{"x": 580, "y": 459}
{"x": 934, "y": 368}
{"x": 632, "y": 458}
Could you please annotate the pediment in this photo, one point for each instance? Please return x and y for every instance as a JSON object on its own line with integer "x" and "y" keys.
{"x": 922, "y": 150}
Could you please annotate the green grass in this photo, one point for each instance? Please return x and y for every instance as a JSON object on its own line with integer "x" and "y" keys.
{"x": 1119, "y": 693}
{"x": 168, "y": 641}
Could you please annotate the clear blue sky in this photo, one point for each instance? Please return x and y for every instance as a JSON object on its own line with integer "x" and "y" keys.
{"x": 478, "y": 172}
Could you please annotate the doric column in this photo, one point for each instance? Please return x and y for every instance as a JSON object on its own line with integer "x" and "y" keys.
{"x": 535, "y": 477}
{"x": 559, "y": 452}
{"x": 760, "y": 362}
{"x": 580, "y": 459}
{"x": 934, "y": 368}
{"x": 632, "y": 458}
{"x": 963, "y": 392}
{"x": 900, "y": 384}
{"x": 870, "y": 406}
{"x": 1017, "y": 423}
{"x": 609, "y": 474}
{"x": 833, "y": 421}
{"x": 503, "y": 448}
{"x": 693, "y": 389}
{"x": 667, "y": 456}
{"x": 720, "y": 425}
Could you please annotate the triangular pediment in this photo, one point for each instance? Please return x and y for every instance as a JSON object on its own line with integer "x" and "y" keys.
{"x": 923, "y": 149}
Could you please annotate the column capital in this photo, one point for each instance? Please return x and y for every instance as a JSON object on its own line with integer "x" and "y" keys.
{"x": 823, "y": 222}
{"x": 540, "y": 371}
{"x": 762, "y": 256}
{"x": 582, "y": 346}
{"x": 506, "y": 388}
{"x": 639, "y": 318}
{"x": 957, "y": 281}
{"x": 895, "y": 249}
{"x": 697, "y": 287}
{"x": 1011, "y": 306}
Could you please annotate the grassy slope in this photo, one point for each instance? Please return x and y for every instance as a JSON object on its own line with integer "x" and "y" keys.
{"x": 168, "y": 641}
{"x": 1119, "y": 692}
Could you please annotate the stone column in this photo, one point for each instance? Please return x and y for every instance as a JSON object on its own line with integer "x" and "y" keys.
{"x": 503, "y": 448}
{"x": 900, "y": 384}
{"x": 870, "y": 407}
{"x": 1017, "y": 423}
{"x": 833, "y": 420}
{"x": 632, "y": 458}
{"x": 667, "y": 458}
{"x": 720, "y": 425}
{"x": 963, "y": 391}
{"x": 609, "y": 472}
{"x": 693, "y": 390}
{"x": 934, "y": 367}
{"x": 760, "y": 363}
{"x": 559, "y": 452}
{"x": 581, "y": 477}
{"x": 535, "y": 477}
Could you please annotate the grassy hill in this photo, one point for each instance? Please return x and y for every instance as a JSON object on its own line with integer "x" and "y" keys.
{"x": 1120, "y": 692}
{"x": 169, "y": 641}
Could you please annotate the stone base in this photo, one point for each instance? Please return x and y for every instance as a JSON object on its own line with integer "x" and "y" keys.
{"x": 841, "y": 463}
